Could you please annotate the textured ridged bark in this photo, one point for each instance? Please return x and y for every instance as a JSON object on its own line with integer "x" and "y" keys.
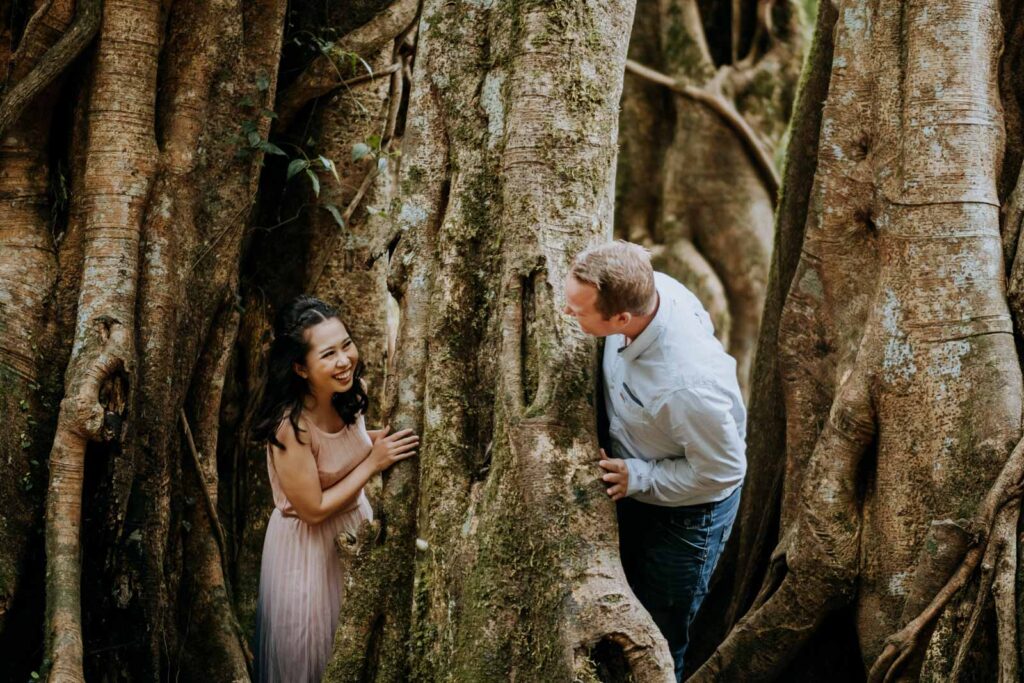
{"x": 147, "y": 251}
{"x": 100, "y": 380}
{"x": 897, "y": 360}
{"x": 507, "y": 169}
{"x": 755, "y": 533}
{"x": 345, "y": 269}
{"x": 198, "y": 226}
{"x": 28, "y": 275}
{"x": 374, "y": 628}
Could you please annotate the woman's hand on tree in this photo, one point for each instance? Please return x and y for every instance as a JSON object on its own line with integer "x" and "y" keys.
{"x": 389, "y": 449}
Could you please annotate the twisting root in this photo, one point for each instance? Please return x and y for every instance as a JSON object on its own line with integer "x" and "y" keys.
{"x": 759, "y": 157}
{"x": 394, "y": 102}
{"x": 995, "y": 550}
{"x": 323, "y": 76}
{"x": 904, "y": 643}
{"x": 814, "y": 567}
{"x": 56, "y": 59}
{"x": 92, "y": 411}
{"x": 31, "y": 26}
{"x": 211, "y": 507}
{"x": 773, "y": 579}
{"x": 1004, "y": 592}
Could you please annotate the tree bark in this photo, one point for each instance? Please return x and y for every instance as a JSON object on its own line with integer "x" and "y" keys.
{"x": 897, "y": 361}
{"x": 507, "y": 170}
{"x": 100, "y": 381}
{"x": 28, "y": 273}
{"x": 145, "y": 253}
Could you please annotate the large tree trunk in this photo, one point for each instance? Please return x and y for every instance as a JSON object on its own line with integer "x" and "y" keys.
{"x": 897, "y": 364}
{"x": 507, "y": 170}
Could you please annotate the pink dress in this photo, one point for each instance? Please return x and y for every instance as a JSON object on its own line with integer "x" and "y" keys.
{"x": 300, "y": 574}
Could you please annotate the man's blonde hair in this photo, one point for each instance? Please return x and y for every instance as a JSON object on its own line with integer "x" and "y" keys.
{"x": 622, "y": 274}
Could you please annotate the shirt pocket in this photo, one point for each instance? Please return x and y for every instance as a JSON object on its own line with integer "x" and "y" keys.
{"x": 635, "y": 418}
{"x": 629, "y": 398}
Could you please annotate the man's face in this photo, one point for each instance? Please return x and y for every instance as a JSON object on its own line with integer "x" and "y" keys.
{"x": 581, "y": 303}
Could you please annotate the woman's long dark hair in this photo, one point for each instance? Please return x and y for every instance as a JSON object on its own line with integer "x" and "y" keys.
{"x": 285, "y": 390}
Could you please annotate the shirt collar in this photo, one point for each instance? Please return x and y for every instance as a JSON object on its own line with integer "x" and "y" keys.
{"x": 650, "y": 333}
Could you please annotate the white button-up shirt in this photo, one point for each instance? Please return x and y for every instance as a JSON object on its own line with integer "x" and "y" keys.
{"x": 674, "y": 406}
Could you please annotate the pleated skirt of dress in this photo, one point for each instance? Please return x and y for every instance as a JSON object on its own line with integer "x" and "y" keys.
{"x": 300, "y": 595}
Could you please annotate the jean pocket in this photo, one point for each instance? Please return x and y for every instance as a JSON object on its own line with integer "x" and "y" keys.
{"x": 681, "y": 518}
{"x": 685, "y": 545}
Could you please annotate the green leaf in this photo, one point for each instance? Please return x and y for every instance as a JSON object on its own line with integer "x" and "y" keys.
{"x": 360, "y": 150}
{"x": 271, "y": 148}
{"x": 337, "y": 214}
{"x": 315, "y": 181}
{"x": 248, "y": 101}
{"x": 374, "y": 141}
{"x": 254, "y": 139}
{"x": 297, "y": 166}
{"x": 269, "y": 113}
{"x": 262, "y": 82}
{"x": 329, "y": 165}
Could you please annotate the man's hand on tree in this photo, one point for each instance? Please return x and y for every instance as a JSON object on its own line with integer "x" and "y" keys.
{"x": 616, "y": 474}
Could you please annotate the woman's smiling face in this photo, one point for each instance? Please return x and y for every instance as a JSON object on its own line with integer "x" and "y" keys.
{"x": 331, "y": 359}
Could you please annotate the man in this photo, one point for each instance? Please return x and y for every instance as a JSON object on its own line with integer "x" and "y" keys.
{"x": 676, "y": 428}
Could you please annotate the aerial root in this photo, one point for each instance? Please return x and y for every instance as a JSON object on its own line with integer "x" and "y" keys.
{"x": 991, "y": 521}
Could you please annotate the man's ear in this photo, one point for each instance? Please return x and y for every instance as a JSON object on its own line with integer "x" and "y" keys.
{"x": 623, "y": 319}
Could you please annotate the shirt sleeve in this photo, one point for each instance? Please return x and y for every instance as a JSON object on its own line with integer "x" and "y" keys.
{"x": 700, "y": 420}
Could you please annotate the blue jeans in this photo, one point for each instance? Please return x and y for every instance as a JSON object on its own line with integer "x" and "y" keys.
{"x": 669, "y": 554}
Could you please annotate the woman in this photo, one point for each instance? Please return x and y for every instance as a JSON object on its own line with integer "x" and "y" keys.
{"x": 319, "y": 456}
